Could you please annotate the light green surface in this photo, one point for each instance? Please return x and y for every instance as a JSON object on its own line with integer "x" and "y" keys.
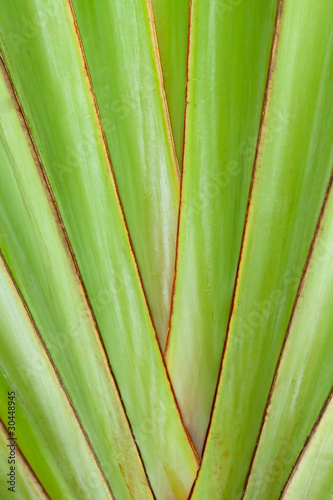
{"x": 119, "y": 46}
{"x": 33, "y": 245}
{"x": 47, "y": 430}
{"x": 50, "y": 78}
{"x": 305, "y": 375}
{"x": 227, "y": 74}
{"x": 292, "y": 171}
{"x": 171, "y": 22}
{"x": 312, "y": 478}
{"x": 26, "y": 486}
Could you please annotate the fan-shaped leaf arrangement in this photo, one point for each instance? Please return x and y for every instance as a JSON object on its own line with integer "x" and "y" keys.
{"x": 166, "y": 238}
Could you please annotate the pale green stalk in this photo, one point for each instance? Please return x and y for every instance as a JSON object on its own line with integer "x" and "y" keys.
{"x": 312, "y": 476}
{"x": 305, "y": 374}
{"x": 50, "y": 77}
{"x": 227, "y": 72}
{"x": 35, "y": 249}
{"x": 171, "y": 22}
{"x": 292, "y": 170}
{"x": 118, "y": 39}
{"x": 46, "y": 427}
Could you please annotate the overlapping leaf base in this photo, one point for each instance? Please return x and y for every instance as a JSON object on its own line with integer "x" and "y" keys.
{"x": 166, "y": 249}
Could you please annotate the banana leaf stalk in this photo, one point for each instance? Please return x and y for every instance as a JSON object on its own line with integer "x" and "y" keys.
{"x": 312, "y": 474}
{"x": 227, "y": 71}
{"x": 47, "y": 428}
{"x": 86, "y": 271}
{"x": 35, "y": 248}
{"x": 50, "y": 76}
{"x": 304, "y": 376}
{"x": 171, "y": 22}
{"x": 291, "y": 174}
{"x": 127, "y": 81}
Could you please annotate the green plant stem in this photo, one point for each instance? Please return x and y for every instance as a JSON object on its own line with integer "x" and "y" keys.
{"x": 171, "y": 21}
{"x": 127, "y": 82}
{"x": 292, "y": 169}
{"x": 51, "y": 80}
{"x": 227, "y": 71}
